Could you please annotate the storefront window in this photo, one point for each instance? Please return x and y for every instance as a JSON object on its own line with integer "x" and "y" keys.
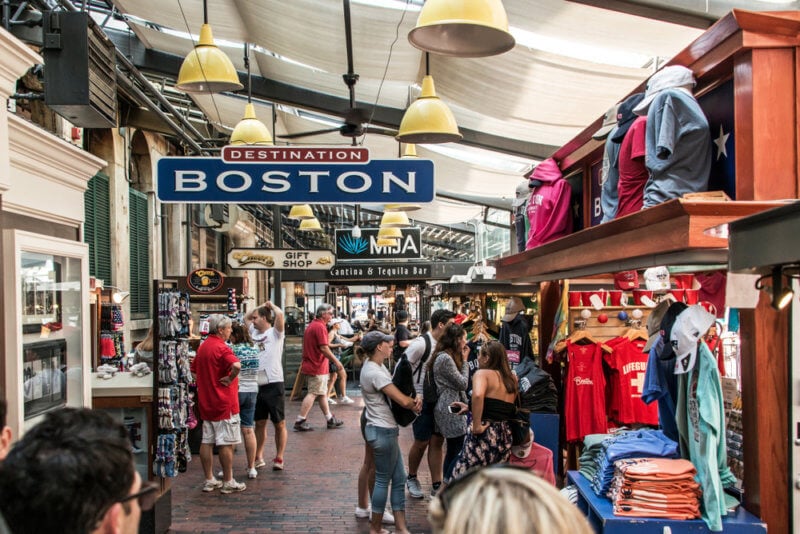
{"x": 51, "y": 328}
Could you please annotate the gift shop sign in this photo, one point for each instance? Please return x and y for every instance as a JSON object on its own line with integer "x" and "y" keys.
{"x": 205, "y": 281}
{"x": 259, "y": 258}
{"x": 279, "y": 179}
{"x": 365, "y": 248}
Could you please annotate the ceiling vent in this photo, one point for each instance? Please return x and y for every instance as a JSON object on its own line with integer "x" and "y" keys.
{"x": 79, "y": 70}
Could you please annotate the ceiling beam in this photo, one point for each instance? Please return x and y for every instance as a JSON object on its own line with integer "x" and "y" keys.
{"x": 692, "y": 19}
{"x": 168, "y": 65}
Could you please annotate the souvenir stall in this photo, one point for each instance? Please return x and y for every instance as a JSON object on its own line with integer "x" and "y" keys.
{"x": 741, "y": 87}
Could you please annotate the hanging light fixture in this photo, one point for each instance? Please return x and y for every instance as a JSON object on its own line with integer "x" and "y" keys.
{"x": 310, "y": 225}
{"x": 207, "y": 69}
{"x": 250, "y": 130}
{"x": 474, "y": 28}
{"x": 390, "y": 233}
{"x": 395, "y": 219}
{"x": 301, "y": 212}
{"x": 356, "y": 230}
{"x": 409, "y": 152}
{"x": 780, "y": 296}
{"x": 428, "y": 119}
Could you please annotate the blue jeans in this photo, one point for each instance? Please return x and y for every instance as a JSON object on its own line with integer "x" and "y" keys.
{"x": 388, "y": 466}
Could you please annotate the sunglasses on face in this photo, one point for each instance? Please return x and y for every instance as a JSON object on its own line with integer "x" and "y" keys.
{"x": 146, "y": 496}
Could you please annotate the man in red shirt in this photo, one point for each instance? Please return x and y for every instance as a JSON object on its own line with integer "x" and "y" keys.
{"x": 215, "y": 369}
{"x": 316, "y": 355}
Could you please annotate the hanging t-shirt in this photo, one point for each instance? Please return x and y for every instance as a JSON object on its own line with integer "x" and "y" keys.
{"x": 584, "y": 404}
{"x": 678, "y": 147}
{"x": 701, "y": 424}
{"x": 630, "y": 364}
{"x": 609, "y": 178}
{"x": 660, "y": 384}
{"x": 633, "y": 173}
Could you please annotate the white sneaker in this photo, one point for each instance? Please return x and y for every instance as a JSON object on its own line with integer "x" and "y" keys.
{"x": 388, "y": 518}
{"x": 232, "y": 486}
{"x": 252, "y": 473}
{"x": 346, "y": 400}
{"x": 332, "y": 401}
{"x": 363, "y": 513}
{"x": 211, "y": 485}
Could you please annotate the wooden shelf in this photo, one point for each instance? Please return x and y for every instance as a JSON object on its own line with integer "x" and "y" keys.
{"x": 671, "y": 233}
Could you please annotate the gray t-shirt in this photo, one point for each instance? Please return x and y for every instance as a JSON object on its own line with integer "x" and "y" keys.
{"x": 678, "y": 147}
{"x": 374, "y": 378}
{"x": 609, "y": 196}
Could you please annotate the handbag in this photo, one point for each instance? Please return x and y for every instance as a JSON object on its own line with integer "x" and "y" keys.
{"x": 520, "y": 425}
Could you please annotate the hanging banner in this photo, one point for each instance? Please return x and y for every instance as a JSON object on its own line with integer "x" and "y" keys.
{"x": 365, "y": 248}
{"x": 211, "y": 180}
{"x": 260, "y": 258}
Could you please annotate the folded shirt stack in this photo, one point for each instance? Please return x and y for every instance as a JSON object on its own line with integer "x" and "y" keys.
{"x": 655, "y": 487}
{"x": 632, "y": 444}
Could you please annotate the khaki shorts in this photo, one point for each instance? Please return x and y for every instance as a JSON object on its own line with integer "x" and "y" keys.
{"x": 318, "y": 385}
{"x": 225, "y": 432}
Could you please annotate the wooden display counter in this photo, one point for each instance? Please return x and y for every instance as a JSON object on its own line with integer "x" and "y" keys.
{"x": 600, "y": 513}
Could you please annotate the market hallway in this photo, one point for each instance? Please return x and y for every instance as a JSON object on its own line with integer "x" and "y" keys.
{"x": 316, "y": 492}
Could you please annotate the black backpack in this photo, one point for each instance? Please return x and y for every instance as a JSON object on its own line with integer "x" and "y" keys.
{"x": 430, "y": 393}
{"x": 425, "y": 356}
{"x": 403, "y": 379}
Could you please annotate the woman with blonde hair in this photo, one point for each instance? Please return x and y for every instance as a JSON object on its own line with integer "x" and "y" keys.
{"x": 513, "y": 501}
{"x": 494, "y": 390}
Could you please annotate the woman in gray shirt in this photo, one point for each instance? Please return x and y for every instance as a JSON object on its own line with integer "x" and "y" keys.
{"x": 450, "y": 373}
{"x": 382, "y": 431}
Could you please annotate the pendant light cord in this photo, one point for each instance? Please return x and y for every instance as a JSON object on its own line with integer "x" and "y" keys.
{"x": 427, "y": 64}
{"x": 247, "y": 66}
{"x": 205, "y": 11}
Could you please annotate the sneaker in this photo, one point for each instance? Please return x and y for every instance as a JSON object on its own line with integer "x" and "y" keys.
{"x": 414, "y": 488}
{"x": 302, "y": 426}
{"x": 388, "y": 518}
{"x": 232, "y": 486}
{"x": 260, "y": 463}
{"x": 346, "y": 400}
{"x": 277, "y": 464}
{"x": 332, "y": 401}
{"x": 252, "y": 473}
{"x": 435, "y": 489}
{"x": 211, "y": 485}
{"x": 334, "y": 423}
{"x": 220, "y": 474}
{"x": 363, "y": 513}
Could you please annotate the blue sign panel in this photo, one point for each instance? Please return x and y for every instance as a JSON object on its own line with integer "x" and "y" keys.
{"x": 210, "y": 180}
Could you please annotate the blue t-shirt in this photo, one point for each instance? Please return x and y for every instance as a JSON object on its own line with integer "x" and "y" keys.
{"x": 609, "y": 197}
{"x": 660, "y": 384}
{"x": 678, "y": 147}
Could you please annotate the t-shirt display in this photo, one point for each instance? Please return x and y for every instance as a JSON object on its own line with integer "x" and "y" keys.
{"x": 609, "y": 178}
{"x": 633, "y": 173}
{"x": 629, "y": 363}
{"x": 549, "y": 211}
{"x": 584, "y": 404}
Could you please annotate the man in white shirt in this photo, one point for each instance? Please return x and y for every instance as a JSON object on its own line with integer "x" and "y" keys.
{"x": 424, "y": 426}
{"x": 267, "y": 330}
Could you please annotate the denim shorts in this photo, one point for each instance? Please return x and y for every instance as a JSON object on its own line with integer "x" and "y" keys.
{"x": 247, "y": 408}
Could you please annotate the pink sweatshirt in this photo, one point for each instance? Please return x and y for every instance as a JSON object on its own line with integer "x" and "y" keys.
{"x": 548, "y": 210}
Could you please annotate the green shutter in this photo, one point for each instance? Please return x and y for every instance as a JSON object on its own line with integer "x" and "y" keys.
{"x": 97, "y": 227}
{"x": 140, "y": 255}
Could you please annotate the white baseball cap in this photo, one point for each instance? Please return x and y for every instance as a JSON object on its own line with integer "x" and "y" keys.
{"x": 656, "y": 278}
{"x": 666, "y": 78}
{"x": 690, "y": 326}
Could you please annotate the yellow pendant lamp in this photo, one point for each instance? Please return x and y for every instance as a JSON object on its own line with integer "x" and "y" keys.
{"x": 207, "y": 69}
{"x": 462, "y": 28}
{"x": 395, "y": 219}
{"x": 428, "y": 119}
{"x": 409, "y": 152}
{"x": 310, "y": 225}
{"x": 386, "y": 242}
{"x": 301, "y": 212}
{"x": 250, "y": 130}
{"x": 390, "y": 233}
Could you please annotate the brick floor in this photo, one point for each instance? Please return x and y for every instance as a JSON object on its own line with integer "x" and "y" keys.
{"x": 316, "y": 492}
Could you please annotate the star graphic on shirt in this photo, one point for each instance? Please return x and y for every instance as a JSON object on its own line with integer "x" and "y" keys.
{"x": 720, "y": 142}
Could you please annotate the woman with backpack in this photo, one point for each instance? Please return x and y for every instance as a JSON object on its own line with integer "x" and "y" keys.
{"x": 494, "y": 392}
{"x": 449, "y": 372}
{"x": 381, "y": 431}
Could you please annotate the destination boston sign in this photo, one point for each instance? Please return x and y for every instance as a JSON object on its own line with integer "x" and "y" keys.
{"x": 294, "y": 175}
{"x": 260, "y": 258}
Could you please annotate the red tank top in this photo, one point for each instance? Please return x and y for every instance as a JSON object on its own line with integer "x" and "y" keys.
{"x": 584, "y": 405}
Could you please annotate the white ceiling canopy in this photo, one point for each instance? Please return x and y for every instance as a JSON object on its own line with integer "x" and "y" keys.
{"x": 571, "y": 62}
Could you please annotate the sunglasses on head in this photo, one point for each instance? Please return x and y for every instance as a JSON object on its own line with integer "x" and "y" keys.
{"x": 146, "y": 496}
{"x": 456, "y": 485}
